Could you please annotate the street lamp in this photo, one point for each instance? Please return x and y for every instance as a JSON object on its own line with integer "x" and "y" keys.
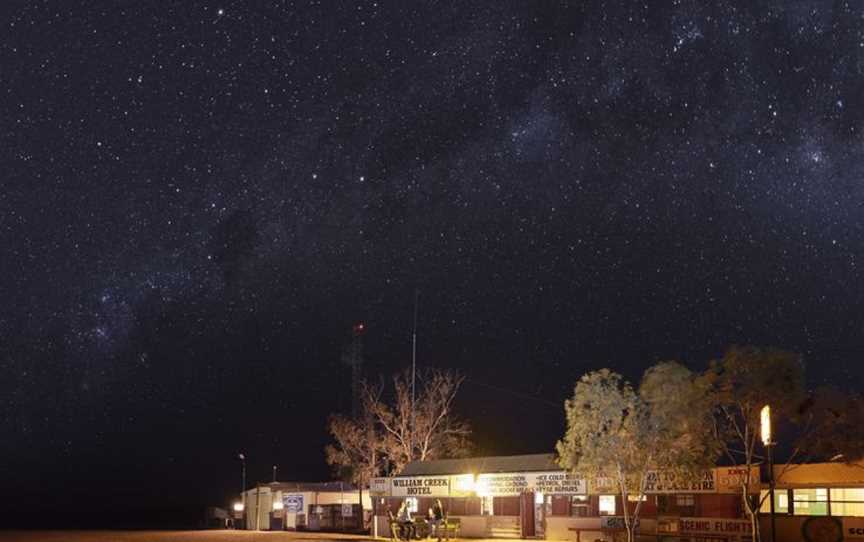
{"x": 768, "y": 443}
{"x": 242, "y": 458}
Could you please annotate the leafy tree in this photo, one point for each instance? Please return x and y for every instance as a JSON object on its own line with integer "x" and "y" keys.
{"x": 743, "y": 381}
{"x": 834, "y": 418}
{"x": 813, "y": 426}
{"x": 628, "y": 436}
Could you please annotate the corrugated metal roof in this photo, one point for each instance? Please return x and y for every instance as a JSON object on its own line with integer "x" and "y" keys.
{"x": 311, "y": 487}
{"x": 477, "y": 465}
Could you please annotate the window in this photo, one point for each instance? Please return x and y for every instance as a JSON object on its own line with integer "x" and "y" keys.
{"x": 607, "y": 505}
{"x": 781, "y": 502}
{"x": 579, "y": 506}
{"x": 847, "y": 501}
{"x": 636, "y": 498}
{"x": 412, "y": 504}
{"x": 685, "y": 500}
{"x": 810, "y": 502}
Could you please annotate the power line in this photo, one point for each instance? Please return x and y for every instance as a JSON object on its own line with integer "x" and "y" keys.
{"x": 523, "y": 395}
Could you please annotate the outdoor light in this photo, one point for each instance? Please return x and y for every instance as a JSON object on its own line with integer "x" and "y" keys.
{"x": 765, "y": 423}
{"x": 765, "y": 419}
{"x": 238, "y": 506}
{"x": 278, "y": 505}
{"x": 465, "y": 483}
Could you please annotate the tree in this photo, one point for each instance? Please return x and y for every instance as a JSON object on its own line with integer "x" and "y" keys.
{"x": 358, "y": 454}
{"x": 426, "y": 428}
{"x": 614, "y": 432}
{"x": 384, "y": 437}
{"x": 835, "y": 418}
{"x": 743, "y": 381}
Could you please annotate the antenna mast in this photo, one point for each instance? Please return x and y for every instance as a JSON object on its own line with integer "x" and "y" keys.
{"x": 414, "y": 354}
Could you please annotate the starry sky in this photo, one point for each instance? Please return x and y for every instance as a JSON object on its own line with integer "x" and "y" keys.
{"x": 199, "y": 199}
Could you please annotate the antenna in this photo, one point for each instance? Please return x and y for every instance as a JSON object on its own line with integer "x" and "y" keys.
{"x": 414, "y": 352}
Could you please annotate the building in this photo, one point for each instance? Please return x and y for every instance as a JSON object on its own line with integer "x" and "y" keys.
{"x": 324, "y": 506}
{"x": 823, "y": 498}
{"x": 530, "y": 496}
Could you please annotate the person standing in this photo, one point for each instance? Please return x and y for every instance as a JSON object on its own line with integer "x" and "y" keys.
{"x": 438, "y": 518}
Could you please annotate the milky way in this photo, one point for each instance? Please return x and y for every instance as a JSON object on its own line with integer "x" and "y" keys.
{"x": 199, "y": 199}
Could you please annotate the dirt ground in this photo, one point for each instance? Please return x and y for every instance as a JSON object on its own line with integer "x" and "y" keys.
{"x": 174, "y": 536}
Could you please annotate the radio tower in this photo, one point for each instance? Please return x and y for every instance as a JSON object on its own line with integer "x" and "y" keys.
{"x": 352, "y": 356}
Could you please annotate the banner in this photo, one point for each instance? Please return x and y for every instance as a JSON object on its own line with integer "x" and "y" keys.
{"x": 509, "y": 484}
{"x": 670, "y": 482}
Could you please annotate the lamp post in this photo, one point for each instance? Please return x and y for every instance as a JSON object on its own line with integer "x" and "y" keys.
{"x": 768, "y": 443}
{"x": 242, "y": 458}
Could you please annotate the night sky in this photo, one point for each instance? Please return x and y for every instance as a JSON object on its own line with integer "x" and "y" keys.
{"x": 199, "y": 199}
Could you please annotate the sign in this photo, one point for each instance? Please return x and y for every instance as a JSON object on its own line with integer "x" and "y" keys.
{"x": 293, "y": 503}
{"x": 509, "y": 484}
{"x": 822, "y": 529}
{"x": 558, "y": 483}
{"x": 670, "y": 482}
{"x": 853, "y": 527}
{"x": 738, "y": 527}
{"x": 424, "y": 486}
{"x": 379, "y": 487}
{"x": 730, "y": 479}
{"x": 347, "y": 510}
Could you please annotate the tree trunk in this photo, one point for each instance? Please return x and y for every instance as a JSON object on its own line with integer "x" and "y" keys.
{"x": 753, "y": 515}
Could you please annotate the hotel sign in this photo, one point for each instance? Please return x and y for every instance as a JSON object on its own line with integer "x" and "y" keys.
{"x": 421, "y": 486}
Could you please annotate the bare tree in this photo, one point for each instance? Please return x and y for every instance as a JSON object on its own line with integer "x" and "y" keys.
{"x": 358, "y": 453}
{"x": 426, "y": 428}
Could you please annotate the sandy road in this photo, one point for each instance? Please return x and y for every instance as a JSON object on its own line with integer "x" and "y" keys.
{"x": 175, "y": 536}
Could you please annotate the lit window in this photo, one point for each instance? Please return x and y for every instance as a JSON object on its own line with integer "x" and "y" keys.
{"x": 781, "y": 502}
{"x": 847, "y": 501}
{"x": 810, "y": 502}
{"x": 412, "y": 504}
{"x": 607, "y": 505}
{"x": 637, "y": 498}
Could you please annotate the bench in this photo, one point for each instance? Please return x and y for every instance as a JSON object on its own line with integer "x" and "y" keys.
{"x": 448, "y": 529}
